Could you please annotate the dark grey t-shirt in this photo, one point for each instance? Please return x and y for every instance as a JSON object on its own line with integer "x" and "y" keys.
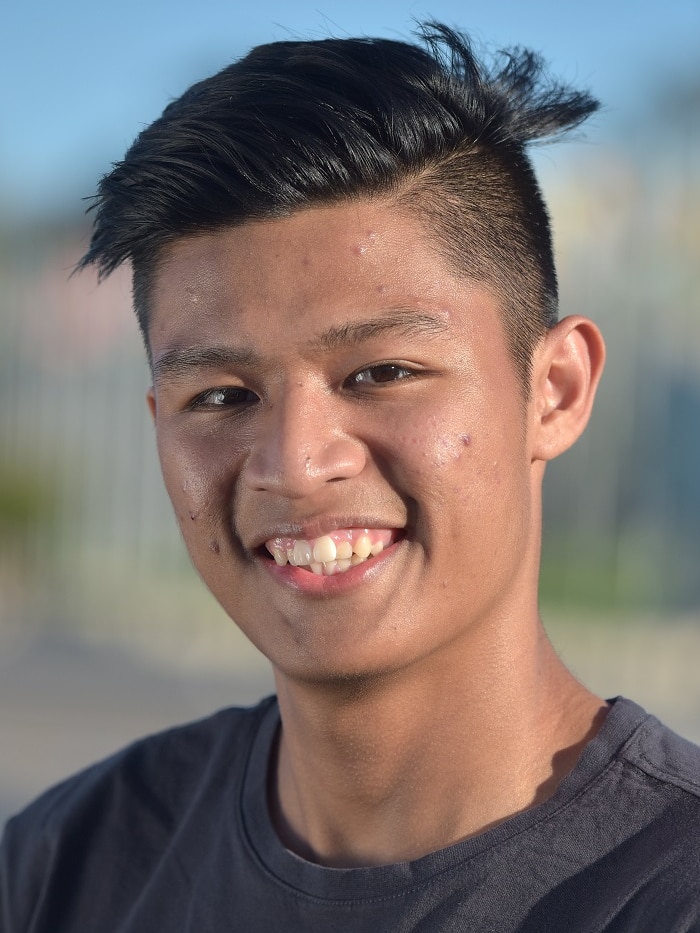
{"x": 173, "y": 835}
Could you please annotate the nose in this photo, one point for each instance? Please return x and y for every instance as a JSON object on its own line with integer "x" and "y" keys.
{"x": 301, "y": 444}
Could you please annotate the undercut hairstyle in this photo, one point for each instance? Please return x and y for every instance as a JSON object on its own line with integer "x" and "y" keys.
{"x": 295, "y": 124}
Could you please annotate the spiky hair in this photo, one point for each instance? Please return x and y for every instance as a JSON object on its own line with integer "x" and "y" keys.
{"x": 297, "y": 124}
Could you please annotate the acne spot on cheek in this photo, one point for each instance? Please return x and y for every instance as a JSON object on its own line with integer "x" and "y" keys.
{"x": 214, "y": 546}
{"x": 450, "y": 448}
{"x": 193, "y": 516}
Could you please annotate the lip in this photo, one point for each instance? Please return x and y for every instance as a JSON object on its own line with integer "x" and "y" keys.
{"x": 323, "y": 525}
{"x": 311, "y": 584}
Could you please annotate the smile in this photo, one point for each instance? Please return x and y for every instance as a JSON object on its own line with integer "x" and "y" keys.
{"x": 332, "y": 553}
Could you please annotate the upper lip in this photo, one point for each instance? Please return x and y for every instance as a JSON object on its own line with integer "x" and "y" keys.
{"x": 316, "y": 527}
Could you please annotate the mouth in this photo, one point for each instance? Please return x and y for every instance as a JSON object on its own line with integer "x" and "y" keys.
{"x": 330, "y": 554}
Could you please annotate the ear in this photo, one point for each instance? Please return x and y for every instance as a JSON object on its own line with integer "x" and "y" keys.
{"x": 567, "y": 367}
{"x": 151, "y": 402}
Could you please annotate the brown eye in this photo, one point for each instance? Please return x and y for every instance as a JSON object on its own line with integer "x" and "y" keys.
{"x": 224, "y": 397}
{"x": 380, "y": 374}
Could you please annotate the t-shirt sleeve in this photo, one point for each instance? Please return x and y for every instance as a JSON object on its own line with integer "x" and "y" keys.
{"x": 23, "y": 859}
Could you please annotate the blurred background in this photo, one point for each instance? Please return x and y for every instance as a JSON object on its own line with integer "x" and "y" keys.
{"x": 105, "y": 631}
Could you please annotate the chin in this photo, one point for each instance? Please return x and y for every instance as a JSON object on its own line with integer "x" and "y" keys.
{"x": 345, "y": 667}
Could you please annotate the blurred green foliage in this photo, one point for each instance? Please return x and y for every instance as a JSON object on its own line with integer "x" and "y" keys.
{"x": 27, "y": 503}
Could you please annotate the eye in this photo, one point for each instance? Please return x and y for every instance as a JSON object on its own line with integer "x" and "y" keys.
{"x": 224, "y": 397}
{"x": 379, "y": 374}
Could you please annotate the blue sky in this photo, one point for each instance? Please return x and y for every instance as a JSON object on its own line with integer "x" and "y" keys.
{"x": 80, "y": 78}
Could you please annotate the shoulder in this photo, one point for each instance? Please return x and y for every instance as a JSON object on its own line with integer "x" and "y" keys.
{"x": 667, "y": 758}
{"x": 661, "y": 806}
{"x": 126, "y": 809}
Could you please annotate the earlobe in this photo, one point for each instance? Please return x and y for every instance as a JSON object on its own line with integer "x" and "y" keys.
{"x": 151, "y": 402}
{"x": 567, "y": 369}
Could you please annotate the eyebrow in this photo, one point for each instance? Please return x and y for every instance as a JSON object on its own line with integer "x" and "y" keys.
{"x": 406, "y": 322}
{"x": 179, "y": 361}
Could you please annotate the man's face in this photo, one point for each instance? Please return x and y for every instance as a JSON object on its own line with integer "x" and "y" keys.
{"x": 327, "y": 378}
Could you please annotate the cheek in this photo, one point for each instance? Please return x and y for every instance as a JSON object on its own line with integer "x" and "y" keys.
{"x": 436, "y": 467}
{"x": 450, "y": 448}
{"x": 199, "y": 474}
{"x": 438, "y": 442}
{"x": 458, "y": 463}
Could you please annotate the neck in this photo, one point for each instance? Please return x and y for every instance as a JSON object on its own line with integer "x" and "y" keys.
{"x": 390, "y": 769}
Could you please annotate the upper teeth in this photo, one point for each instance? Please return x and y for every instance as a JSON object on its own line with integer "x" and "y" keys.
{"x": 331, "y": 553}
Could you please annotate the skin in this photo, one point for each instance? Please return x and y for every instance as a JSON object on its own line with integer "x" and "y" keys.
{"x": 359, "y": 381}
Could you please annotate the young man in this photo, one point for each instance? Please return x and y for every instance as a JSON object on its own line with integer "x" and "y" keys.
{"x": 344, "y": 277}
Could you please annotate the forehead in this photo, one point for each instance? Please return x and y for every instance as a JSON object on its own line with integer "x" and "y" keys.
{"x": 354, "y": 240}
{"x": 322, "y": 265}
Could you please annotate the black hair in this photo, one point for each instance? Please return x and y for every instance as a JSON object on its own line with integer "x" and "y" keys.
{"x": 296, "y": 124}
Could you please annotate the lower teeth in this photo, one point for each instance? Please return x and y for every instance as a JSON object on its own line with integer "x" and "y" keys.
{"x": 331, "y": 567}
